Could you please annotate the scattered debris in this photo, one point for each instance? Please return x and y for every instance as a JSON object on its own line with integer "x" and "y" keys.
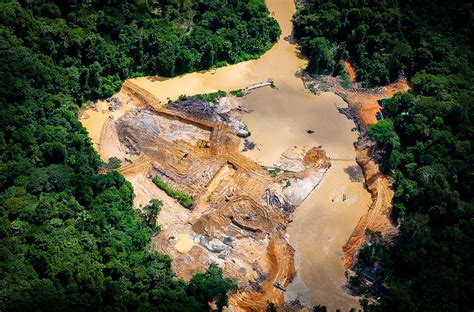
{"x": 248, "y": 145}
{"x": 279, "y": 286}
{"x": 114, "y": 102}
{"x": 268, "y": 83}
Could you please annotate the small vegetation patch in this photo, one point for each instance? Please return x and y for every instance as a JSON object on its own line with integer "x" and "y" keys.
{"x": 345, "y": 83}
{"x": 113, "y": 163}
{"x": 208, "y": 97}
{"x": 274, "y": 171}
{"x": 185, "y": 200}
{"x": 237, "y": 93}
{"x": 150, "y": 214}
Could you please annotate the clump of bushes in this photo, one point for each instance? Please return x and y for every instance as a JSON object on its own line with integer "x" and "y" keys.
{"x": 208, "y": 97}
{"x": 274, "y": 171}
{"x": 237, "y": 93}
{"x": 345, "y": 83}
{"x": 113, "y": 163}
{"x": 185, "y": 200}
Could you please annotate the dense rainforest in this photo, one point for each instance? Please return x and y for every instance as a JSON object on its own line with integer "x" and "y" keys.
{"x": 426, "y": 138}
{"x": 69, "y": 238}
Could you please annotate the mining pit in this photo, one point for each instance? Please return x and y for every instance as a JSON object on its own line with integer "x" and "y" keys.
{"x": 241, "y": 210}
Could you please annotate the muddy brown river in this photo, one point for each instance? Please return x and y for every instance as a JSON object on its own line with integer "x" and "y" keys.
{"x": 279, "y": 119}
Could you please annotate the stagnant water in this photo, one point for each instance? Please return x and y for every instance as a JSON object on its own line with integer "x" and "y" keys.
{"x": 279, "y": 120}
{"x": 325, "y": 220}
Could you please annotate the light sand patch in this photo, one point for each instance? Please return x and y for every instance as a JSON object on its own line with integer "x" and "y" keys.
{"x": 184, "y": 243}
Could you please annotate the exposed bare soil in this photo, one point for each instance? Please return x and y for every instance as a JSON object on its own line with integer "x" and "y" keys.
{"x": 378, "y": 217}
{"x": 364, "y": 102}
{"x": 351, "y": 71}
{"x": 241, "y": 211}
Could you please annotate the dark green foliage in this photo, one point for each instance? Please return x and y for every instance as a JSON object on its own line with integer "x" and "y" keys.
{"x": 210, "y": 285}
{"x": 384, "y": 133}
{"x": 319, "y": 308}
{"x": 345, "y": 80}
{"x": 114, "y": 163}
{"x": 384, "y": 39}
{"x": 237, "y": 93}
{"x": 95, "y": 46}
{"x": 184, "y": 199}
{"x": 274, "y": 171}
{"x": 151, "y": 212}
{"x": 426, "y": 138}
{"x": 321, "y": 54}
{"x": 208, "y": 97}
{"x": 433, "y": 199}
{"x": 69, "y": 239}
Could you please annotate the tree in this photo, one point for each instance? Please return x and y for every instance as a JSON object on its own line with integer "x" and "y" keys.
{"x": 151, "y": 211}
{"x": 322, "y": 54}
{"x": 210, "y": 286}
{"x": 425, "y": 141}
{"x": 384, "y": 133}
{"x": 69, "y": 238}
{"x": 114, "y": 163}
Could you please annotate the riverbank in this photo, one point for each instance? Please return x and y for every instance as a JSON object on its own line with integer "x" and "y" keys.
{"x": 363, "y": 108}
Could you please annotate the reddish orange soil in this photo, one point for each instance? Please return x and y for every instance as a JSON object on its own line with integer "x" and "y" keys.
{"x": 363, "y": 106}
{"x": 378, "y": 217}
{"x": 379, "y": 185}
{"x": 350, "y": 70}
{"x": 368, "y": 105}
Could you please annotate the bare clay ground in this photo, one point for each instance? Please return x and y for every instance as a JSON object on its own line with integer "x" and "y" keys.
{"x": 241, "y": 212}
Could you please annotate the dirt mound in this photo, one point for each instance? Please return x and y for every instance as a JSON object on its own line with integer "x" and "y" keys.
{"x": 279, "y": 272}
{"x": 314, "y": 156}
